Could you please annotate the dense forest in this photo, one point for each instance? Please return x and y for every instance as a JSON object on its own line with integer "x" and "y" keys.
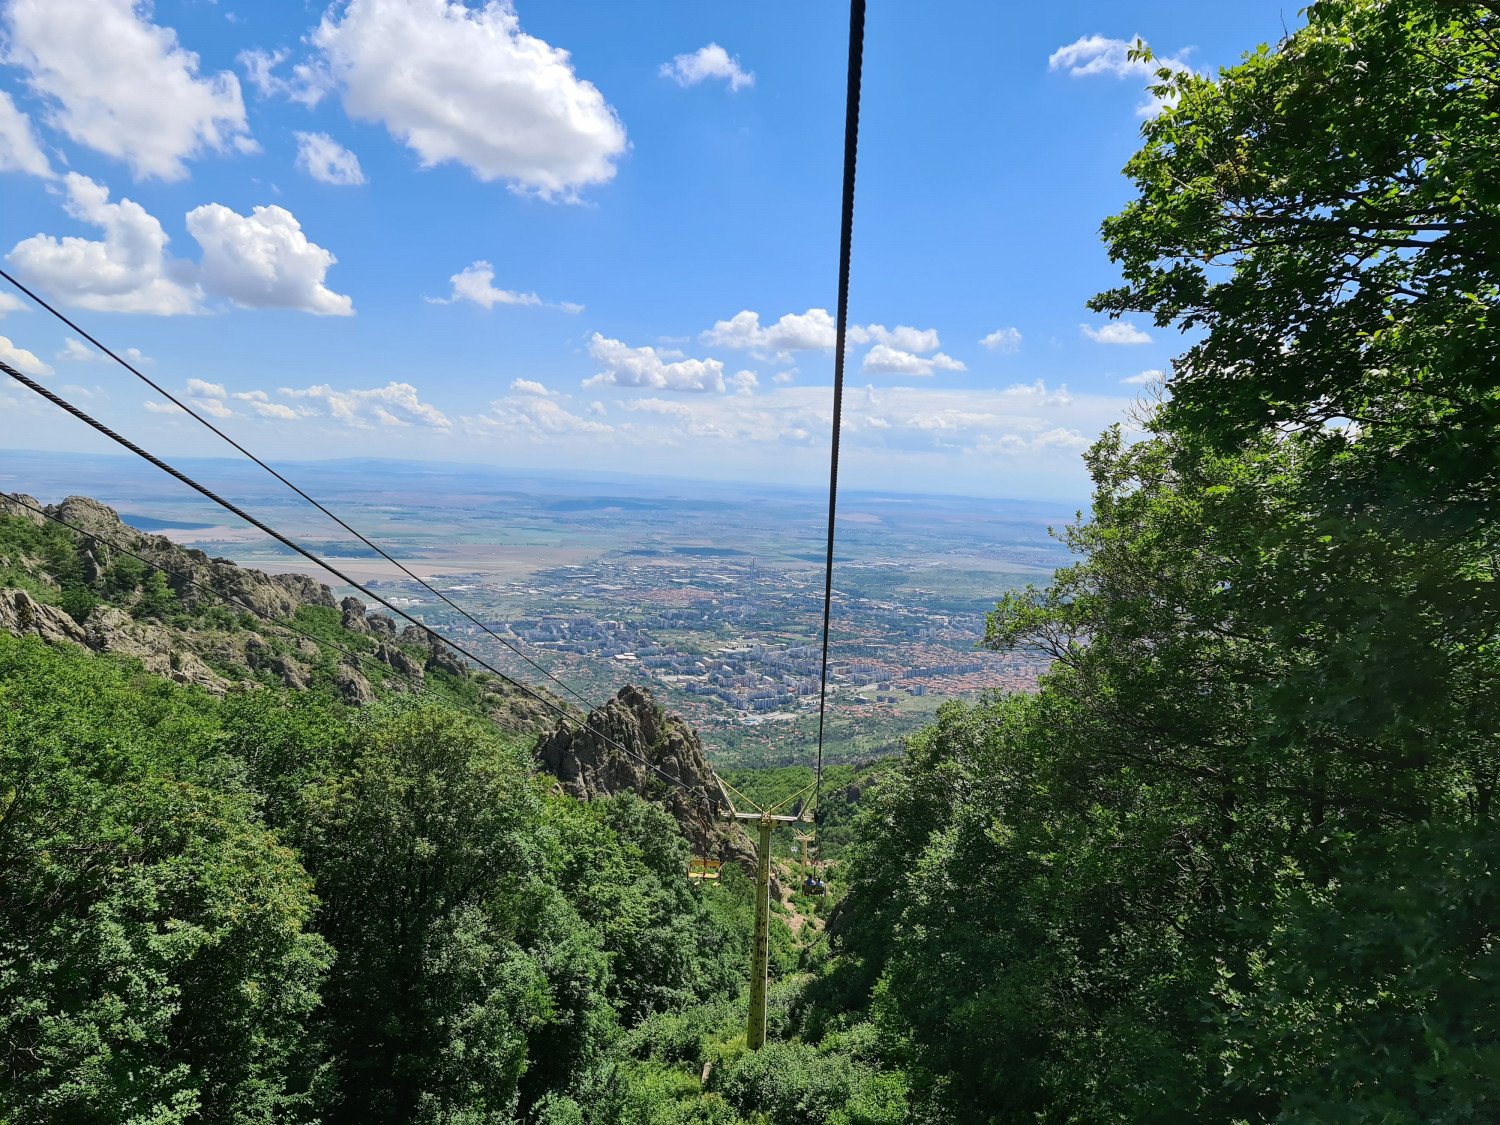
{"x": 1234, "y": 861}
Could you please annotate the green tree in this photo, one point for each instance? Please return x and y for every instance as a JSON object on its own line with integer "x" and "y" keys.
{"x": 155, "y": 962}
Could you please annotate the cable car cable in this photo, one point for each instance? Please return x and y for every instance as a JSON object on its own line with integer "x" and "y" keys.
{"x": 175, "y": 401}
{"x": 22, "y": 501}
{"x": 83, "y": 416}
{"x": 846, "y": 240}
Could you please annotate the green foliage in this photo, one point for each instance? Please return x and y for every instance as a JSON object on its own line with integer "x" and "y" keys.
{"x": 475, "y": 952}
{"x": 155, "y": 962}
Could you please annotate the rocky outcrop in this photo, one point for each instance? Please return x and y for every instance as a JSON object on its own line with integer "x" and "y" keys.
{"x": 399, "y": 661}
{"x": 22, "y": 507}
{"x": 22, "y": 614}
{"x": 440, "y": 658}
{"x": 157, "y": 648}
{"x": 662, "y": 760}
{"x": 353, "y": 686}
{"x": 354, "y": 616}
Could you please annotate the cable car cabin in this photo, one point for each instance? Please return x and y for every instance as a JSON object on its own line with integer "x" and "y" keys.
{"x": 812, "y": 885}
{"x": 704, "y": 868}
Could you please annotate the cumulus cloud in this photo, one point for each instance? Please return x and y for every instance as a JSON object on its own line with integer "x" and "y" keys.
{"x": 903, "y": 337}
{"x": 708, "y": 62}
{"x": 203, "y": 389}
{"x": 263, "y": 260}
{"x": 883, "y": 359}
{"x": 27, "y": 363}
{"x": 1115, "y": 332}
{"x": 467, "y": 85}
{"x": 1006, "y": 340}
{"x": 9, "y": 304}
{"x": 19, "y": 150}
{"x": 1145, "y": 378}
{"x": 213, "y": 406}
{"x": 395, "y": 404}
{"x": 261, "y": 403}
{"x": 327, "y": 161}
{"x": 476, "y": 283}
{"x": 811, "y": 331}
{"x": 163, "y": 408}
{"x": 647, "y": 367}
{"x": 1096, "y": 55}
{"x": 793, "y": 332}
{"x": 530, "y": 387}
{"x": 122, "y": 85}
{"x": 127, "y": 271}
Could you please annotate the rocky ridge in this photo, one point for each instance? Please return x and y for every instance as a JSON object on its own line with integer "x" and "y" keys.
{"x": 261, "y": 645}
{"x": 219, "y": 657}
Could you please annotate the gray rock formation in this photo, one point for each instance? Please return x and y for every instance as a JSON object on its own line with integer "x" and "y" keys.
{"x": 354, "y": 615}
{"x": 679, "y": 776}
{"x": 157, "y": 648}
{"x": 21, "y": 614}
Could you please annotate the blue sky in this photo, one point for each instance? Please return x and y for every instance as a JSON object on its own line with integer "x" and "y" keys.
{"x": 587, "y": 235}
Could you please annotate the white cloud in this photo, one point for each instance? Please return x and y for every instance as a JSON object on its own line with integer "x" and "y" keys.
{"x": 1007, "y": 340}
{"x": 9, "y": 304}
{"x": 75, "y": 351}
{"x": 263, "y": 260}
{"x": 205, "y": 389}
{"x": 645, "y": 367}
{"x": 596, "y": 407}
{"x": 128, "y": 271}
{"x": 163, "y": 408}
{"x": 903, "y": 337}
{"x": 19, "y": 150}
{"x": 811, "y": 331}
{"x": 535, "y": 418}
{"x": 327, "y": 161}
{"x": 782, "y": 378}
{"x": 1095, "y": 55}
{"x": 530, "y": 387}
{"x": 308, "y": 85}
{"x": 744, "y": 382}
{"x": 476, "y": 283}
{"x": 707, "y": 62}
{"x": 793, "y": 332}
{"x": 122, "y": 85}
{"x": 261, "y": 403}
{"x": 883, "y": 359}
{"x": 1145, "y": 378}
{"x": 395, "y": 404}
{"x": 1115, "y": 332}
{"x": 467, "y": 85}
{"x": 27, "y": 363}
{"x": 214, "y": 407}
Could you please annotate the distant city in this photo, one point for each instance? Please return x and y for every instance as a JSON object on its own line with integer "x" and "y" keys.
{"x": 709, "y": 594}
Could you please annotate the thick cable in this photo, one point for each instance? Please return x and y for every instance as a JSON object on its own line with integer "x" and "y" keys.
{"x": 381, "y": 551}
{"x": 203, "y": 490}
{"x": 846, "y": 242}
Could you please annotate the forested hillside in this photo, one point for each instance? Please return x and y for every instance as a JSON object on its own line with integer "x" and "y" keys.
{"x": 1234, "y": 861}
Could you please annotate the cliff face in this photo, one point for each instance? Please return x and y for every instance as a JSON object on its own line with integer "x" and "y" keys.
{"x": 588, "y": 766}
